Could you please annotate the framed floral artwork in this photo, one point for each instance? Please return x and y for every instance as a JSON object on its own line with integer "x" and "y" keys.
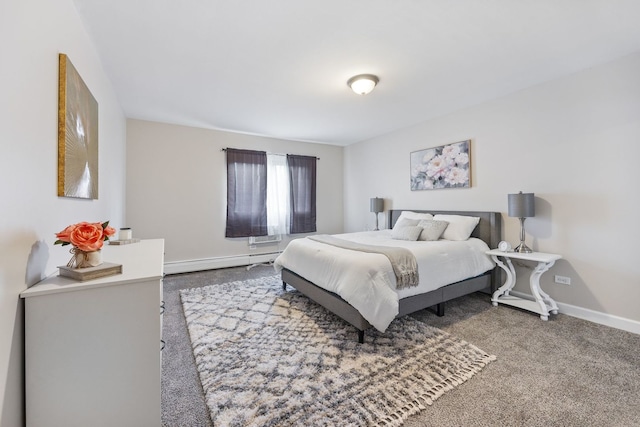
{"x": 446, "y": 166}
{"x": 77, "y": 135}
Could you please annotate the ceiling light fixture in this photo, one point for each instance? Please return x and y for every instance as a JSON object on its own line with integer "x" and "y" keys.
{"x": 362, "y": 84}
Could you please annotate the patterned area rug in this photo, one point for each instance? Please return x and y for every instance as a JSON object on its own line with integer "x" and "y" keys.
{"x": 268, "y": 357}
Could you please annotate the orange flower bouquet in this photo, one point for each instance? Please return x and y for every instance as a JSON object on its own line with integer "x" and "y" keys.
{"x": 87, "y": 239}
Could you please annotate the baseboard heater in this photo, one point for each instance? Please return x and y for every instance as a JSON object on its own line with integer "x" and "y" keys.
{"x": 189, "y": 266}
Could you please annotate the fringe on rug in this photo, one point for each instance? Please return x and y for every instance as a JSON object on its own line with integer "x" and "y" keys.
{"x": 398, "y": 417}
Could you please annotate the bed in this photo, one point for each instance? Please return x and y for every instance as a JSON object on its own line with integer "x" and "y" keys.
{"x": 311, "y": 269}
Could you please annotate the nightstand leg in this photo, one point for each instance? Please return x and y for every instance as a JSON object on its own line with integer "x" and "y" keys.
{"x": 553, "y": 306}
{"x": 508, "y": 284}
{"x": 541, "y": 297}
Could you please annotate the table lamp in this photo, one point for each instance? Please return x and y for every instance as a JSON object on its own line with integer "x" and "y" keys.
{"x": 521, "y": 205}
{"x": 377, "y": 206}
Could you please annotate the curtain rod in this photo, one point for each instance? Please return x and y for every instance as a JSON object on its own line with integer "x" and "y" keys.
{"x": 276, "y": 154}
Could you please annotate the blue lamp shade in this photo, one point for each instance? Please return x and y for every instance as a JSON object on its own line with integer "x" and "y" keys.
{"x": 522, "y": 205}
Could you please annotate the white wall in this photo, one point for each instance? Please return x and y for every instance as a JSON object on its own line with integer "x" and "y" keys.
{"x": 574, "y": 142}
{"x": 32, "y": 33}
{"x": 176, "y": 187}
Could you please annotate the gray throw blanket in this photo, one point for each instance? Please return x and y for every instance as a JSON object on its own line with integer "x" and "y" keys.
{"x": 402, "y": 260}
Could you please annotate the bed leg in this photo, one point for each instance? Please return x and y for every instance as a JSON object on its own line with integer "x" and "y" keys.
{"x": 360, "y": 336}
{"x": 440, "y": 309}
{"x": 284, "y": 285}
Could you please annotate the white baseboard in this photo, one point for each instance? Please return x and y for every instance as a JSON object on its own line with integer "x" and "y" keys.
{"x": 189, "y": 266}
{"x": 617, "y": 322}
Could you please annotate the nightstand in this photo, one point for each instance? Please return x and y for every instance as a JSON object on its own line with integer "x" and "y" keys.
{"x": 543, "y": 304}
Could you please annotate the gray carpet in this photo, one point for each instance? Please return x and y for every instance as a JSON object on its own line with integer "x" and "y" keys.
{"x": 564, "y": 372}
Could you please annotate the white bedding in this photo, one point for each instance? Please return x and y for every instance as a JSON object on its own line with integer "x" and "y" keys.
{"x": 366, "y": 280}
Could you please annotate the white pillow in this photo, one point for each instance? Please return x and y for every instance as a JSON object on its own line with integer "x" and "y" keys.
{"x": 406, "y": 233}
{"x": 460, "y": 227}
{"x": 405, "y": 222}
{"x": 431, "y": 229}
{"x": 414, "y": 215}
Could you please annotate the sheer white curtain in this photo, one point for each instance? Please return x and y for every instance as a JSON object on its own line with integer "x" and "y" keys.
{"x": 278, "y": 191}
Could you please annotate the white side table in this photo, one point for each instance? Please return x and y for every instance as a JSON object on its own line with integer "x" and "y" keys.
{"x": 543, "y": 303}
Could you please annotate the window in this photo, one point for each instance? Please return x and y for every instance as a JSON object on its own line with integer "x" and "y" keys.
{"x": 277, "y": 194}
{"x": 270, "y": 193}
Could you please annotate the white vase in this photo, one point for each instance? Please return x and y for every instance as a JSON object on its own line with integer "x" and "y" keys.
{"x": 87, "y": 259}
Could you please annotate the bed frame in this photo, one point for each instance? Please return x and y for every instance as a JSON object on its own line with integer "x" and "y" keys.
{"x": 488, "y": 229}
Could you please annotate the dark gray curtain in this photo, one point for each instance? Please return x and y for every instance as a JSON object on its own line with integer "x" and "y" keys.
{"x": 246, "y": 193}
{"x": 302, "y": 176}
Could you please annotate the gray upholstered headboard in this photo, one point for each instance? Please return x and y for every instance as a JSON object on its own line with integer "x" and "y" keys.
{"x": 488, "y": 229}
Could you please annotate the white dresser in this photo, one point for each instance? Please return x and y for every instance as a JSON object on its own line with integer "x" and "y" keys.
{"x": 93, "y": 348}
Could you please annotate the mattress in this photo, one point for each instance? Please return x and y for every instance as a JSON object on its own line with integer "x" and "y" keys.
{"x": 367, "y": 281}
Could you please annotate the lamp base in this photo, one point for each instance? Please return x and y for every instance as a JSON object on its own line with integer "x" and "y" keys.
{"x": 523, "y": 249}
